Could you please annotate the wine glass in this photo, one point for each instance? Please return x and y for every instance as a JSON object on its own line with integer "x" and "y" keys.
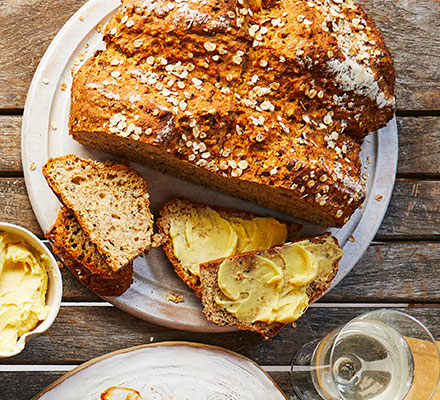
{"x": 380, "y": 355}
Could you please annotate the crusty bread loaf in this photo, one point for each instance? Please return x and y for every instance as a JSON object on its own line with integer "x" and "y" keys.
{"x": 180, "y": 210}
{"x": 109, "y": 201}
{"x": 83, "y": 259}
{"x": 210, "y": 288}
{"x": 269, "y": 104}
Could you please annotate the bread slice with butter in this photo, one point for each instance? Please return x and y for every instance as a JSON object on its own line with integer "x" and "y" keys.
{"x": 83, "y": 259}
{"x": 193, "y": 233}
{"x": 263, "y": 290}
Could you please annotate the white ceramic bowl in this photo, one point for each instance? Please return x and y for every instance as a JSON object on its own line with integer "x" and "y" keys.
{"x": 54, "y": 287}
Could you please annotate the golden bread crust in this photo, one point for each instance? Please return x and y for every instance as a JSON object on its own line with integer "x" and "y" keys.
{"x": 235, "y": 98}
{"x": 82, "y": 258}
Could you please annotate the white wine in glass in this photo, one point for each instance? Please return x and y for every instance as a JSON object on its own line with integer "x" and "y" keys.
{"x": 367, "y": 359}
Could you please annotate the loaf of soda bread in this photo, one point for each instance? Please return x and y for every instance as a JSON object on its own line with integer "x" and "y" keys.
{"x": 325, "y": 246}
{"x": 82, "y": 258}
{"x": 267, "y": 103}
{"x": 175, "y": 215}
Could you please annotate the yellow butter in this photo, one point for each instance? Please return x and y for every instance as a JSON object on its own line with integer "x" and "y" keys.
{"x": 272, "y": 286}
{"x": 206, "y": 236}
{"x": 23, "y": 287}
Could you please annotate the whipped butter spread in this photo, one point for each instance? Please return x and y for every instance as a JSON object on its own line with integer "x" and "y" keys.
{"x": 23, "y": 287}
{"x": 206, "y": 236}
{"x": 271, "y": 286}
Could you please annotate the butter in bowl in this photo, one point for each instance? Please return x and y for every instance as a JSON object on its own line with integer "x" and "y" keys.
{"x": 30, "y": 288}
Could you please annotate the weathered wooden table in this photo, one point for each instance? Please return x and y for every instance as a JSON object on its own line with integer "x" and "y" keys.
{"x": 400, "y": 269}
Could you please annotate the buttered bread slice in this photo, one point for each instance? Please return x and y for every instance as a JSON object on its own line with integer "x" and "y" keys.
{"x": 194, "y": 233}
{"x": 109, "y": 201}
{"x": 261, "y": 291}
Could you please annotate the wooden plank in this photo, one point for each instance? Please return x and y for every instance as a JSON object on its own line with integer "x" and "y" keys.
{"x": 413, "y": 214}
{"x": 25, "y": 385}
{"x": 419, "y": 145}
{"x": 392, "y": 272}
{"x": 26, "y": 29}
{"x": 415, "y": 55}
{"x": 15, "y": 206}
{"x": 82, "y": 333}
{"x": 10, "y": 159}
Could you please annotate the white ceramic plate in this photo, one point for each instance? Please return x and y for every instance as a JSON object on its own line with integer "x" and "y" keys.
{"x": 47, "y": 107}
{"x": 174, "y": 370}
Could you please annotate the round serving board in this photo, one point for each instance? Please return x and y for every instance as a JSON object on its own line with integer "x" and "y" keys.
{"x": 169, "y": 370}
{"x": 45, "y": 134}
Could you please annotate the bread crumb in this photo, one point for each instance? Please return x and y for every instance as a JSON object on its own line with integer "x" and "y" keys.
{"x": 379, "y": 197}
{"x": 151, "y": 339}
{"x": 351, "y": 238}
{"x": 46, "y": 81}
{"x": 174, "y": 298}
{"x": 32, "y": 166}
{"x": 60, "y": 264}
{"x": 156, "y": 240}
{"x": 81, "y": 18}
{"x": 53, "y": 125}
{"x": 99, "y": 28}
{"x": 63, "y": 86}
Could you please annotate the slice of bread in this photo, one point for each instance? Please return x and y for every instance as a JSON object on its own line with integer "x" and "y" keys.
{"x": 179, "y": 211}
{"x": 327, "y": 246}
{"x": 83, "y": 259}
{"x": 110, "y": 202}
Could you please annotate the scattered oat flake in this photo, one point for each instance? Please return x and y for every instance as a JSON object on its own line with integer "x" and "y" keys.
{"x": 351, "y": 238}
{"x": 138, "y": 43}
{"x": 32, "y": 166}
{"x": 237, "y": 60}
{"x": 379, "y": 197}
{"x": 210, "y": 46}
{"x": 174, "y": 298}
